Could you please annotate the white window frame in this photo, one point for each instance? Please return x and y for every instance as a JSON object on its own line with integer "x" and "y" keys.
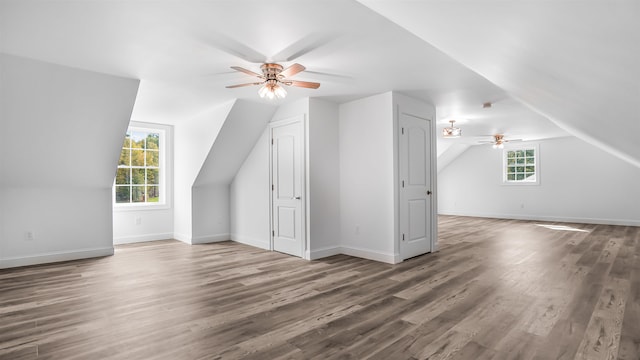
{"x": 164, "y": 146}
{"x": 524, "y": 147}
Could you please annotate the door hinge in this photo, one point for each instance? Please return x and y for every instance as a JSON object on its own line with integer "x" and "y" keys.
{"x": 273, "y": 233}
{"x": 402, "y": 237}
{"x": 273, "y": 187}
{"x": 402, "y": 131}
{"x": 271, "y": 141}
{"x": 402, "y": 183}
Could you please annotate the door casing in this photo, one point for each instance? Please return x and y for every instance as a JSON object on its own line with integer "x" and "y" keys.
{"x": 408, "y": 109}
{"x": 303, "y": 190}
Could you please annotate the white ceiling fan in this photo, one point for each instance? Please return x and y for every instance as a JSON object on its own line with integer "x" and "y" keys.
{"x": 498, "y": 141}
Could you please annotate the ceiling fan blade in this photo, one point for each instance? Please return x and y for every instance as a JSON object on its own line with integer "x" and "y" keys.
{"x": 329, "y": 75}
{"x": 292, "y": 70}
{"x": 235, "y": 48}
{"x": 303, "y": 46}
{"x": 303, "y": 84}
{"x": 511, "y": 140}
{"x": 248, "y": 72}
{"x": 242, "y": 85}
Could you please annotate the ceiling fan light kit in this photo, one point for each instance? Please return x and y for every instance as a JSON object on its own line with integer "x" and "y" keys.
{"x": 499, "y": 141}
{"x": 273, "y": 77}
{"x": 451, "y": 132}
{"x": 271, "y": 90}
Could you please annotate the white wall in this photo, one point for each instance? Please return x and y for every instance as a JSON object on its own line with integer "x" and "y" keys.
{"x": 447, "y": 153}
{"x": 250, "y": 188}
{"x": 193, "y": 139}
{"x": 3, "y": 235}
{"x": 366, "y": 145}
{"x": 210, "y": 220}
{"x": 209, "y": 150}
{"x": 249, "y": 197}
{"x": 131, "y": 226}
{"x": 243, "y": 126}
{"x": 578, "y": 183}
{"x": 62, "y": 131}
{"x": 323, "y": 160}
{"x": 153, "y": 222}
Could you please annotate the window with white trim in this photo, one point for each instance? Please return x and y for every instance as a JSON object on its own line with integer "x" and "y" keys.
{"x": 521, "y": 165}
{"x": 140, "y": 175}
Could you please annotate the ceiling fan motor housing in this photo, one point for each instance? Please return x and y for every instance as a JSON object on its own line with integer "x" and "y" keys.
{"x": 271, "y": 71}
{"x": 275, "y": 74}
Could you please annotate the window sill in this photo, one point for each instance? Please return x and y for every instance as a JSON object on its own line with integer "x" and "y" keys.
{"x": 141, "y": 207}
{"x": 532, "y": 183}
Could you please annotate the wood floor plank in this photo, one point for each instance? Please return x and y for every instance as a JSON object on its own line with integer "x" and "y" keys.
{"x": 602, "y": 335}
{"x": 629, "y": 347}
{"x": 497, "y": 289}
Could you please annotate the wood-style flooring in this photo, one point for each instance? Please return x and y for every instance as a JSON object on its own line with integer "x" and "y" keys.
{"x": 497, "y": 289}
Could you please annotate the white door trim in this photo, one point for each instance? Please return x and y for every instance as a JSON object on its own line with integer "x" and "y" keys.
{"x": 433, "y": 178}
{"x": 303, "y": 188}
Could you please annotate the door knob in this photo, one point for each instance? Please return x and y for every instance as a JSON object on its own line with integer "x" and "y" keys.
{"x": 295, "y": 198}
{"x": 428, "y": 192}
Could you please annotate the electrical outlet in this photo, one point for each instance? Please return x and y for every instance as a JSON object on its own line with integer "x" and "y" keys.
{"x": 357, "y": 229}
{"x": 29, "y": 236}
{"x": 138, "y": 220}
{"x": 522, "y": 206}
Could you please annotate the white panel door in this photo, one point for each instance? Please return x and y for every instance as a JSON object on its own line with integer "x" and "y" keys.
{"x": 286, "y": 194}
{"x": 415, "y": 186}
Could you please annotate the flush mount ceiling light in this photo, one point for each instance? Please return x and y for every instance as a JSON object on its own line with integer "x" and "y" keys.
{"x": 451, "y": 132}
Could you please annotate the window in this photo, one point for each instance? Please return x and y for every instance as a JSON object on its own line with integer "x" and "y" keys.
{"x": 521, "y": 165}
{"x": 139, "y": 178}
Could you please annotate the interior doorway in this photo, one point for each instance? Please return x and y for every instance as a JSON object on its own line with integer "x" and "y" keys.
{"x": 415, "y": 185}
{"x": 287, "y": 171}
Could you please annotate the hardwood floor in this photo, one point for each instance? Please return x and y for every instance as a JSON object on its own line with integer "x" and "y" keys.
{"x": 497, "y": 289}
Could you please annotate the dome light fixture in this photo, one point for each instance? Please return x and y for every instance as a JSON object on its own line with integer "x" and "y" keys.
{"x": 451, "y": 132}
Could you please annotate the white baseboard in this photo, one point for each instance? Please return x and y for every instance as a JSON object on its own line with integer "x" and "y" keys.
{"x": 141, "y": 238}
{"x": 371, "y": 255}
{"x": 182, "y": 237}
{"x": 247, "y": 240}
{"x": 323, "y": 252}
{"x": 53, "y": 257}
{"x": 621, "y": 222}
{"x": 327, "y": 251}
{"x": 205, "y": 239}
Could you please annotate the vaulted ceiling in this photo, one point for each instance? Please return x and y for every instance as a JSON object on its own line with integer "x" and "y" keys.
{"x": 549, "y": 68}
{"x": 574, "y": 62}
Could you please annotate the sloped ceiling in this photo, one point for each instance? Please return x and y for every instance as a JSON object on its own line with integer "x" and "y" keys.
{"x": 50, "y": 116}
{"x": 241, "y": 129}
{"x": 547, "y": 66}
{"x": 574, "y": 62}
